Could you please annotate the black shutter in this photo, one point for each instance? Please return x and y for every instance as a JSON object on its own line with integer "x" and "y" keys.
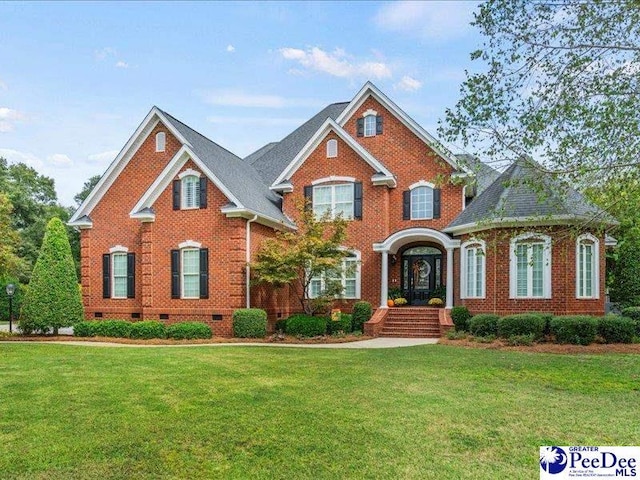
{"x": 131, "y": 275}
{"x": 308, "y": 197}
{"x": 378, "y": 124}
{"x": 176, "y": 194}
{"x": 106, "y": 276}
{"x": 360, "y": 125}
{"x": 436, "y": 203}
{"x": 175, "y": 273}
{"x": 204, "y": 273}
{"x": 406, "y": 205}
{"x": 203, "y": 192}
{"x": 357, "y": 200}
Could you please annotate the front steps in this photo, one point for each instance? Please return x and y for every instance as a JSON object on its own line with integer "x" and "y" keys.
{"x": 408, "y": 322}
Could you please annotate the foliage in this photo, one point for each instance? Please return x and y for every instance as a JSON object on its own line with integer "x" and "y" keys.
{"x": 304, "y": 325}
{"x": 361, "y": 314}
{"x": 615, "y": 329}
{"x": 189, "y": 330}
{"x": 84, "y": 329}
{"x": 634, "y": 314}
{"x": 86, "y": 189}
{"x": 18, "y": 297}
{"x": 455, "y": 334}
{"x": 10, "y": 263}
{"x": 110, "y": 328}
{"x": 440, "y": 292}
{"x": 294, "y": 258}
{"x": 526, "y": 340}
{"x": 577, "y": 329}
{"x": 53, "y": 299}
{"x": 344, "y": 324}
{"x": 460, "y": 316}
{"x": 521, "y": 324}
{"x": 625, "y": 284}
{"x": 435, "y": 302}
{"x": 394, "y": 292}
{"x": 147, "y": 329}
{"x": 483, "y": 324}
{"x": 281, "y": 325}
{"x": 559, "y": 79}
{"x": 398, "y": 302}
{"x": 250, "y": 323}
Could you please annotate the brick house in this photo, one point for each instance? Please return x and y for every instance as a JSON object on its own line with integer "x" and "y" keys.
{"x": 170, "y": 228}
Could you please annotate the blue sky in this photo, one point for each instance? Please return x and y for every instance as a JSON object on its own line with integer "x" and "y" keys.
{"x": 76, "y": 78}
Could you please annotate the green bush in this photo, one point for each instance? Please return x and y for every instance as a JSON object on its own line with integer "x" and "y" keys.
{"x": 460, "y": 317}
{"x": 306, "y": 326}
{"x": 454, "y": 334}
{"x": 522, "y": 324}
{"x": 281, "y": 325}
{"x": 189, "y": 330}
{"x": 517, "y": 340}
{"x": 361, "y": 313}
{"x": 53, "y": 298}
{"x": 148, "y": 329}
{"x": 343, "y": 325}
{"x": 250, "y": 323}
{"x": 484, "y": 325}
{"x": 84, "y": 329}
{"x": 578, "y": 329}
{"x": 111, "y": 328}
{"x": 634, "y": 314}
{"x": 615, "y": 329}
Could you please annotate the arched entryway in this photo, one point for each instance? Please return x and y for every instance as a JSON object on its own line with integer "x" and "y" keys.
{"x": 421, "y": 273}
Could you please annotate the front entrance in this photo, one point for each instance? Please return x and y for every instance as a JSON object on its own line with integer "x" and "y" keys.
{"x": 421, "y": 274}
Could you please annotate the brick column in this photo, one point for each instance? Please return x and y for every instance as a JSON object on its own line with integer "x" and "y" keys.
{"x": 85, "y": 265}
{"x": 147, "y": 267}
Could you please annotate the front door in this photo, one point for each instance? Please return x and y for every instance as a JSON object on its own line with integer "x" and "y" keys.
{"x": 421, "y": 275}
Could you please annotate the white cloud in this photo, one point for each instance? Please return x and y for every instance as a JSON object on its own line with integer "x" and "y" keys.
{"x": 264, "y": 121}
{"x": 231, "y": 48}
{"x": 15, "y": 156}
{"x": 428, "y": 20}
{"x": 8, "y": 117}
{"x": 408, "y": 84}
{"x": 337, "y": 63}
{"x": 121, "y": 64}
{"x": 103, "y": 157}
{"x": 239, "y": 98}
{"x": 104, "y": 53}
{"x": 60, "y": 160}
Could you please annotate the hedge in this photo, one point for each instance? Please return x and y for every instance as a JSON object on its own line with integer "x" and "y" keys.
{"x": 111, "y": 328}
{"x": 250, "y": 323}
{"x": 189, "y": 330}
{"x": 148, "y": 329}
{"x": 615, "y": 329}
{"x": 361, "y": 313}
{"x": 460, "y": 317}
{"x": 521, "y": 324}
{"x": 577, "y": 329}
{"x": 484, "y": 324}
{"x": 634, "y": 314}
{"x": 281, "y": 325}
{"x": 343, "y": 325}
{"x": 306, "y": 325}
{"x": 84, "y": 329}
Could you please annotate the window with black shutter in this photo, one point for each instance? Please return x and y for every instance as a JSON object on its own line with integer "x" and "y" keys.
{"x": 106, "y": 275}
{"x": 204, "y": 273}
{"x": 357, "y": 200}
{"x": 131, "y": 275}
{"x": 175, "y": 273}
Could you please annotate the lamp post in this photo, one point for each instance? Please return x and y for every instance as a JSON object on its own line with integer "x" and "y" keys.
{"x": 11, "y": 289}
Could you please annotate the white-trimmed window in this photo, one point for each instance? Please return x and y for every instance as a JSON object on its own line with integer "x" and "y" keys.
{"x": 370, "y": 125}
{"x": 421, "y": 202}
{"x": 333, "y": 198}
{"x": 473, "y": 269}
{"x": 530, "y": 266}
{"x": 587, "y": 267}
{"x": 332, "y": 148}
{"x": 190, "y": 272}
{"x": 119, "y": 274}
{"x": 190, "y": 191}
{"x": 348, "y": 275}
{"x": 161, "y": 141}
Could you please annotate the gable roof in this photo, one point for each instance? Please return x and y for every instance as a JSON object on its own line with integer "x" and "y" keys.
{"x": 271, "y": 161}
{"x": 524, "y": 193}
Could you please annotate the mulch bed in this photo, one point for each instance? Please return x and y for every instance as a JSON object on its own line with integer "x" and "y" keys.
{"x": 593, "y": 349}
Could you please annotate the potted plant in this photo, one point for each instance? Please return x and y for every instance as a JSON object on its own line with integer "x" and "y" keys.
{"x": 399, "y": 302}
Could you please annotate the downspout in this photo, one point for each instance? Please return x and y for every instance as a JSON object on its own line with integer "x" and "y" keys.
{"x": 248, "y": 260}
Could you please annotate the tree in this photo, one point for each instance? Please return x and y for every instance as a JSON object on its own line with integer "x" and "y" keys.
{"x": 53, "y": 298}
{"x": 10, "y": 263}
{"x": 560, "y": 81}
{"x": 625, "y": 282}
{"x": 295, "y": 258}
{"x": 86, "y": 189}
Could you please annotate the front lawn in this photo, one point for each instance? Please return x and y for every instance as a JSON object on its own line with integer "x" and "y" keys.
{"x": 266, "y": 412}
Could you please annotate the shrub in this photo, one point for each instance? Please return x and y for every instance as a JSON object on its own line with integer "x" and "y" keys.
{"x": 343, "y": 325}
{"x": 189, "y": 330}
{"x": 306, "y": 326}
{"x": 281, "y": 325}
{"x": 84, "y": 329}
{"x": 460, "y": 317}
{"x": 400, "y": 301}
{"x": 456, "y": 334}
{"x": 53, "y": 298}
{"x": 484, "y": 324}
{"x": 360, "y": 314}
{"x": 522, "y": 324}
{"x": 148, "y": 329}
{"x": 578, "y": 329}
{"x": 615, "y": 329}
{"x": 547, "y": 321}
{"x": 517, "y": 340}
{"x": 634, "y": 314}
{"x": 110, "y": 328}
{"x": 435, "y": 302}
{"x": 250, "y": 323}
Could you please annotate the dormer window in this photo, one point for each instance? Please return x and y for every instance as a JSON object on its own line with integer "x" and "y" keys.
{"x": 332, "y": 148}
{"x": 161, "y": 141}
{"x": 370, "y": 124}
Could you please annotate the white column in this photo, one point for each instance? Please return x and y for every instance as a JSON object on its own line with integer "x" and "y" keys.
{"x": 449, "y": 303}
{"x": 384, "y": 280}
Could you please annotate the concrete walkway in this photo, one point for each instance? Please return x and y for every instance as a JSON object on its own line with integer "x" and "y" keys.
{"x": 4, "y": 327}
{"x": 373, "y": 343}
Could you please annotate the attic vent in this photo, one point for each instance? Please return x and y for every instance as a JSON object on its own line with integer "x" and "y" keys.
{"x": 332, "y": 148}
{"x": 161, "y": 140}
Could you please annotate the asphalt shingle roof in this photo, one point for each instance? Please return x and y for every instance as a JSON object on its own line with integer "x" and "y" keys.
{"x": 485, "y": 175}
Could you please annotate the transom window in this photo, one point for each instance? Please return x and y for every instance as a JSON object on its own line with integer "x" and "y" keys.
{"x": 190, "y": 273}
{"x": 531, "y": 266}
{"x": 161, "y": 141}
{"x": 191, "y": 192}
{"x": 336, "y": 199}
{"x": 347, "y": 276}
{"x": 370, "y": 126}
{"x": 421, "y": 203}
{"x": 473, "y": 267}
{"x": 119, "y": 275}
{"x": 332, "y": 148}
{"x": 587, "y": 255}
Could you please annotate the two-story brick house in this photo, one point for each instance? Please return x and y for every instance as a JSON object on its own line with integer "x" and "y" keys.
{"x": 170, "y": 228}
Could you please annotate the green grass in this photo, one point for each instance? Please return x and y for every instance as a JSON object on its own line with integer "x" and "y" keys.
{"x": 235, "y": 412}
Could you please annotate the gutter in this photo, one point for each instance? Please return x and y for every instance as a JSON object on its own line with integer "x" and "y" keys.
{"x": 248, "y": 261}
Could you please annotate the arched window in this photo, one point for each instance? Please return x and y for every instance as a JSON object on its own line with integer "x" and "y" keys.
{"x": 421, "y": 201}
{"x": 587, "y": 267}
{"x": 347, "y": 275}
{"x": 332, "y": 148}
{"x": 370, "y": 126}
{"x": 190, "y": 191}
{"x": 530, "y": 266}
{"x": 161, "y": 141}
{"x": 473, "y": 269}
{"x": 190, "y": 271}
